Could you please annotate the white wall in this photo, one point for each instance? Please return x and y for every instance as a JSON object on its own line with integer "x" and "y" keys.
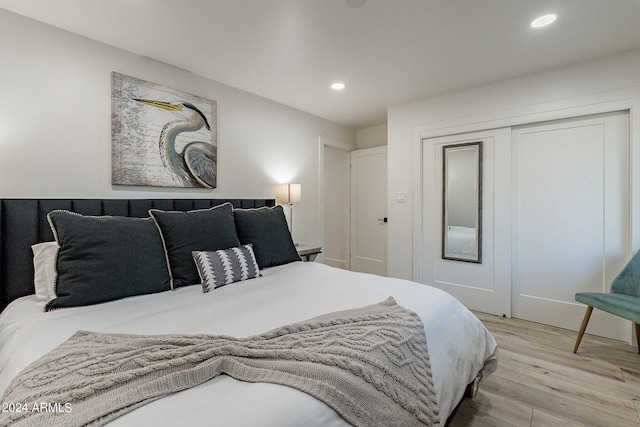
{"x": 374, "y": 136}
{"x": 55, "y": 125}
{"x": 610, "y": 78}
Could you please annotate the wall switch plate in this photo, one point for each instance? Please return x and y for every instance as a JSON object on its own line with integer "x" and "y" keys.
{"x": 401, "y": 197}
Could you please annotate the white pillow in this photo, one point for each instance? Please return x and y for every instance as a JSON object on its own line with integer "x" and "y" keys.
{"x": 44, "y": 270}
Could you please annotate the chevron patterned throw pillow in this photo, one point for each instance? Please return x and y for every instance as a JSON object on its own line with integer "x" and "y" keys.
{"x": 221, "y": 267}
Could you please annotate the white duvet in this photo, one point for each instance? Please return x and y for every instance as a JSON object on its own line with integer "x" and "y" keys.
{"x": 459, "y": 345}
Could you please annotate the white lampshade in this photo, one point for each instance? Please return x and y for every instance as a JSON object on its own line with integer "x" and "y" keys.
{"x": 289, "y": 193}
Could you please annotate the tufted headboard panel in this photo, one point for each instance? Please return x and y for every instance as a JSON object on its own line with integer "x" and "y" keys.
{"x": 23, "y": 222}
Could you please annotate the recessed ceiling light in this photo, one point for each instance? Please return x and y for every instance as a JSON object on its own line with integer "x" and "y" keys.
{"x": 338, "y": 86}
{"x": 544, "y": 20}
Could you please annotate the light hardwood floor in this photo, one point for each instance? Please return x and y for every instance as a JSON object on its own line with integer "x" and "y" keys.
{"x": 541, "y": 383}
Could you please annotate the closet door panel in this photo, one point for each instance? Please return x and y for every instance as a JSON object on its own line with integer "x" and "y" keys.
{"x": 571, "y": 217}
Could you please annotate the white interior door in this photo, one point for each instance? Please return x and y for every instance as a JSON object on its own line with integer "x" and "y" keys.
{"x": 336, "y": 202}
{"x": 571, "y": 218}
{"x": 369, "y": 210}
{"x": 486, "y": 286}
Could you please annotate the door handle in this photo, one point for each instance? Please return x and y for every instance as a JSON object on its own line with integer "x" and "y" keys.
{"x": 385, "y": 219}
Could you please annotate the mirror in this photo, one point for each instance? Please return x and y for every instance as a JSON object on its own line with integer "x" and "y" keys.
{"x": 462, "y": 202}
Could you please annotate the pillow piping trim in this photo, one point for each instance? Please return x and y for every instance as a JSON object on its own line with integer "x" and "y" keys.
{"x": 164, "y": 249}
{"x": 55, "y": 263}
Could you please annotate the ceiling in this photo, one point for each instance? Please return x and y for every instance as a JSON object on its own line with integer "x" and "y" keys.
{"x": 387, "y": 52}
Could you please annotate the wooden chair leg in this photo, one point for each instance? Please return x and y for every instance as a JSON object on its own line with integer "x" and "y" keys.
{"x": 583, "y": 327}
{"x": 638, "y": 336}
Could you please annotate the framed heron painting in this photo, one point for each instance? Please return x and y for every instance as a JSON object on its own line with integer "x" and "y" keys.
{"x": 161, "y": 136}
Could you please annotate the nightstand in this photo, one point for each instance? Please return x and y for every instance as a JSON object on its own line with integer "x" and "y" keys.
{"x": 308, "y": 252}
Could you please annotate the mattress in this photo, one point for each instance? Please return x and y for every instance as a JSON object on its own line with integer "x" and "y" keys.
{"x": 459, "y": 345}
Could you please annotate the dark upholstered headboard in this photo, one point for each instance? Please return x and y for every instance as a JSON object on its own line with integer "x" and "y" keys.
{"x": 23, "y": 222}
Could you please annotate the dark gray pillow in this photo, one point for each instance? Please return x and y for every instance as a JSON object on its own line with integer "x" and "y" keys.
{"x": 104, "y": 258}
{"x": 197, "y": 230}
{"x": 266, "y": 229}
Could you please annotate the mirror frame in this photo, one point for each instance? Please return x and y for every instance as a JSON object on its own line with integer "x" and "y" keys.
{"x": 446, "y": 149}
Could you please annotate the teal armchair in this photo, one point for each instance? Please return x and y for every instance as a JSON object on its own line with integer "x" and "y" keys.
{"x": 623, "y": 300}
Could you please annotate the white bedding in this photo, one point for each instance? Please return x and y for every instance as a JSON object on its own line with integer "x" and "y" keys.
{"x": 459, "y": 345}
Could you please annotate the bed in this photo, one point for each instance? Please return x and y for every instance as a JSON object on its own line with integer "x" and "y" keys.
{"x": 460, "y": 349}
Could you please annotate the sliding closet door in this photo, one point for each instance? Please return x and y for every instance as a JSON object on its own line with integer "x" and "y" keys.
{"x": 484, "y": 286}
{"x": 571, "y": 217}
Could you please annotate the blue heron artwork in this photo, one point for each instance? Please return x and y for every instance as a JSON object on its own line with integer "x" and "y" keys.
{"x": 161, "y": 136}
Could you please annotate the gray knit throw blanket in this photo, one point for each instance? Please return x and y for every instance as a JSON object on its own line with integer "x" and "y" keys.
{"x": 369, "y": 364}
